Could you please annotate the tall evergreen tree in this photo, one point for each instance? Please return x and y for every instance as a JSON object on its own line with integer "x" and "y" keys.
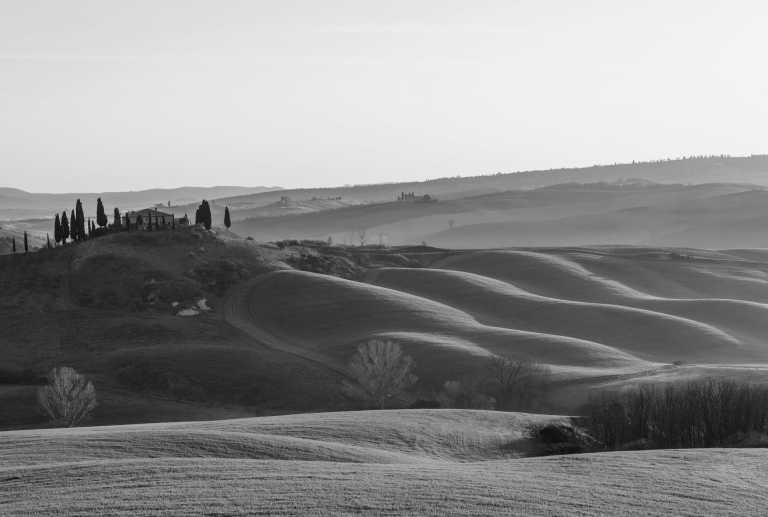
{"x": 80, "y": 219}
{"x": 64, "y": 227}
{"x": 227, "y": 220}
{"x": 48, "y": 240}
{"x": 203, "y": 215}
{"x": 57, "y": 230}
{"x": 13, "y": 244}
{"x": 101, "y": 217}
{"x": 117, "y": 218}
{"x": 26, "y": 243}
{"x": 74, "y": 234}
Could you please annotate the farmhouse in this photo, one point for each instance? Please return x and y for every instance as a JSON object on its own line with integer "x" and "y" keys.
{"x": 141, "y": 218}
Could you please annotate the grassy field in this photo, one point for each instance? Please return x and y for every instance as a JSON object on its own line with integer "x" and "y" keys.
{"x": 433, "y": 462}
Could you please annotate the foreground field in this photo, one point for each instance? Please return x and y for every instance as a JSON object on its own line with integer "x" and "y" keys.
{"x": 435, "y": 462}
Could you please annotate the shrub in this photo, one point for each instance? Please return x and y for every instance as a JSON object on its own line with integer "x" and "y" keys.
{"x": 467, "y": 393}
{"x": 68, "y": 398}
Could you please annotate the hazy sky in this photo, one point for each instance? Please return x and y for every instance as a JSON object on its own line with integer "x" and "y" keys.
{"x": 112, "y": 95}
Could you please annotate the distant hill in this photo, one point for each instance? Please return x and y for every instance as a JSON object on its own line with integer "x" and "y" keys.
{"x": 713, "y": 215}
{"x": 19, "y": 204}
{"x": 691, "y": 171}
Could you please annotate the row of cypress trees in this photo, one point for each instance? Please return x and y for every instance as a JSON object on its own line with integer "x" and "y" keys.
{"x": 76, "y": 227}
{"x": 26, "y": 243}
{"x": 203, "y": 215}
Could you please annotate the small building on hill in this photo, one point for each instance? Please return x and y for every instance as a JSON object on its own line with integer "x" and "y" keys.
{"x": 140, "y": 218}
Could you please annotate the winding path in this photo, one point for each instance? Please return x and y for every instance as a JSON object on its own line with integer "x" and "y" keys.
{"x": 237, "y": 312}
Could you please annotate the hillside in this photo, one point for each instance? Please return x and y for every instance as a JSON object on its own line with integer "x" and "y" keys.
{"x": 706, "y": 216}
{"x": 444, "y": 462}
{"x": 693, "y": 171}
{"x": 192, "y": 324}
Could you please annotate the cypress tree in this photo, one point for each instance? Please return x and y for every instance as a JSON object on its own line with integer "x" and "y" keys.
{"x": 101, "y": 217}
{"x": 26, "y": 243}
{"x": 204, "y": 215}
{"x": 227, "y": 220}
{"x": 116, "y": 224}
{"x": 13, "y": 244}
{"x": 73, "y": 229}
{"x": 57, "y": 230}
{"x": 80, "y": 219}
{"x": 48, "y": 240}
{"x": 64, "y": 227}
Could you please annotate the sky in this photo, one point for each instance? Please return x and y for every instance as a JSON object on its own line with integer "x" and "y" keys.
{"x": 112, "y": 95}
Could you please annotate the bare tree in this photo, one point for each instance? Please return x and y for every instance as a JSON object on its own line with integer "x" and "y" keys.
{"x": 68, "y": 397}
{"x": 516, "y": 382}
{"x": 381, "y": 373}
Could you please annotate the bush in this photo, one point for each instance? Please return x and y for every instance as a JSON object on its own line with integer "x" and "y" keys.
{"x": 467, "y": 393}
{"x": 705, "y": 413}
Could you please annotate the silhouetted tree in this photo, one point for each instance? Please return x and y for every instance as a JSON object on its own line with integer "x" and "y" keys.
{"x": 227, "y": 220}
{"x": 64, "y": 227}
{"x": 13, "y": 244}
{"x": 80, "y": 219}
{"x": 74, "y": 231}
{"x": 203, "y": 215}
{"x": 117, "y": 218}
{"x": 139, "y": 221}
{"x": 48, "y": 240}
{"x": 26, "y": 243}
{"x": 101, "y": 217}
{"x": 57, "y": 229}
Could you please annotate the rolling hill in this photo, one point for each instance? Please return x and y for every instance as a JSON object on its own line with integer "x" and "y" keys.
{"x": 439, "y": 462}
{"x": 706, "y": 216}
{"x": 195, "y": 324}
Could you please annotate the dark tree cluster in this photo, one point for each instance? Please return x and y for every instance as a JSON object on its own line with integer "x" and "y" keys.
{"x": 203, "y": 215}
{"x": 704, "y": 413}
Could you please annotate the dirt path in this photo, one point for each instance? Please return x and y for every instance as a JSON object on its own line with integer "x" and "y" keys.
{"x": 236, "y": 312}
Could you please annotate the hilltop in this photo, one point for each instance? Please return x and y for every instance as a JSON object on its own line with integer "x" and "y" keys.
{"x": 446, "y": 462}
